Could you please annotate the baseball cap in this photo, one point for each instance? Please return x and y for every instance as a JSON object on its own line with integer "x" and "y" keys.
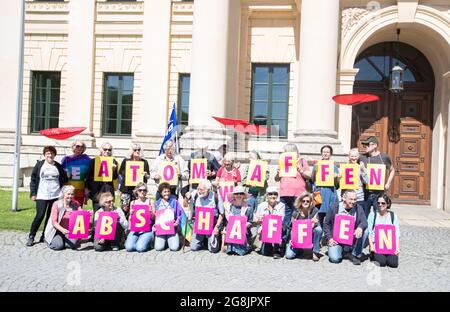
{"x": 371, "y": 139}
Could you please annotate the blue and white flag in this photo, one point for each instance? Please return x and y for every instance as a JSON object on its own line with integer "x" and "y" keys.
{"x": 171, "y": 133}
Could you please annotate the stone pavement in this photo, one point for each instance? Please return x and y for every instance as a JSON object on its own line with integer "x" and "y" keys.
{"x": 424, "y": 266}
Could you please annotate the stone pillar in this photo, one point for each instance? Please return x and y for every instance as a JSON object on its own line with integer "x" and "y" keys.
{"x": 77, "y": 110}
{"x": 346, "y": 82}
{"x": 319, "y": 29}
{"x": 446, "y": 101}
{"x": 214, "y": 76}
{"x": 155, "y": 73}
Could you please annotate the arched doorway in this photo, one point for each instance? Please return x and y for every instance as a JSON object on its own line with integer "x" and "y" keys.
{"x": 402, "y": 122}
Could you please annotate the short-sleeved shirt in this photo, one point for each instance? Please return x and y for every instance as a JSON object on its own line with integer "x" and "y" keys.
{"x": 293, "y": 186}
{"x": 232, "y": 176}
{"x": 381, "y": 159}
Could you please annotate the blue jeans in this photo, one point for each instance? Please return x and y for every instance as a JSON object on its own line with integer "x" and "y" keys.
{"x": 335, "y": 252}
{"x": 291, "y": 253}
{"x": 139, "y": 242}
{"x": 372, "y": 200}
{"x": 172, "y": 240}
{"x": 212, "y": 241}
{"x": 289, "y": 208}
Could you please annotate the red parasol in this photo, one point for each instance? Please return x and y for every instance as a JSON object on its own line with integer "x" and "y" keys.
{"x": 241, "y": 125}
{"x": 355, "y": 99}
{"x": 61, "y": 133}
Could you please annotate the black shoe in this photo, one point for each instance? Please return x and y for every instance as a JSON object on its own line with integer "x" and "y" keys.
{"x": 30, "y": 242}
{"x": 42, "y": 239}
{"x": 277, "y": 256}
{"x": 347, "y": 256}
{"x": 356, "y": 260}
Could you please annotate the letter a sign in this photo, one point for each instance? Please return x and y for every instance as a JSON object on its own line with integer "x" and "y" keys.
{"x": 236, "y": 230}
{"x": 79, "y": 224}
{"x": 257, "y": 173}
{"x": 103, "y": 169}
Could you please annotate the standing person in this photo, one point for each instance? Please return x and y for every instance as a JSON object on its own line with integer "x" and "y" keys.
{"x": 374, "y": 156}
{"x": 347, "y": 207}
{"x": 77, "y": 166}
{"x": 203, "y": 196}
{"x": 353, "y": 157}
{"x": 256, "y": 193}
{"x": 47, "y": 178}
{"x": 168, "y": 202}
{"x": 228, "y": 172}
{"x": 306, "y": 211}
{"x": 328, "y": 193}
{"x": 57, "y": 227}
{"x": 291, "y": 187}
{"x": 141, "y": 241}
{"x": 383, "y": 216}
{"x": 127, "y": 195}
{"x": 239, "y": 207}
{"x": 272, "y": 206}
{"x": 96, "y": 188}
{"x": 180, "y": 164}
{"x": 106, "y": 201}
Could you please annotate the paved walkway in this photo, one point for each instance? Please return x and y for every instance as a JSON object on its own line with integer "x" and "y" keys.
{"x": 424, "y": 266}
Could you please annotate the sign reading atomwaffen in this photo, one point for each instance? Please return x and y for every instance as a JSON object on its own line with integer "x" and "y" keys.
{"x": 325, "y": 173}
{"x": 349, "y": 176}
{"x": 198, "y": 170}
{"x": 106, "y": 225}
{"x": 377, "y": 175}
{"x": 288, "y": 164}
{"x": 103, "y": 169}
{"x": 168, "y": 172}
{"x": 79, "y": 224}
{"x": 134, "y": 173}
{"x": 256, "y": 175}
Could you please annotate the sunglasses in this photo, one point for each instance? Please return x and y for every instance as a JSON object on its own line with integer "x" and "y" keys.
{"x": 78, "y": 146}
{"x": 142, "y": 190}
{"x": 272, "y": 194}
{"x": 306, "y": 201}
{"x": 382, "y": 203}
{"x": 239, "y": 194}
{"x": 108, "y": 201}
{"x": 107, "y": 149}
{"x": 137, "y": 150}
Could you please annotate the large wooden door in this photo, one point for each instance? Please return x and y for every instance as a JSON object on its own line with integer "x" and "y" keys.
{"x": 401, "y": 122}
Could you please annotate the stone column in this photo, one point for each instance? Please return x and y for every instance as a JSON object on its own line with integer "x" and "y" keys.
{"x": 319, "y": 29}
{"x": 214, "y": 76}
{"x": 77, "y": 110}
{"x": 446, "y": 101}
{"x": 346, "y": 82}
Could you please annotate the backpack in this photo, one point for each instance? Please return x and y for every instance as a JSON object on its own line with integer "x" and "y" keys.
{"x": 375, "y": 218}
{"x": 216, "y": 199}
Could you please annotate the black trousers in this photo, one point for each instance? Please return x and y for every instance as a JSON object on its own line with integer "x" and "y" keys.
{"x": 383, "y": 260}
{"x": 43, "y": 208}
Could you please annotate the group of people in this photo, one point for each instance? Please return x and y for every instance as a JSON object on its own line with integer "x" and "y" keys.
{"x": 59, "y": 189}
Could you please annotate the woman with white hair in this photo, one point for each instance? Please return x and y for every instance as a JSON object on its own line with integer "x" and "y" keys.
{"x": 127, "y": 194}
{"x": 228, "y": 172}
{"x": 180, "y": 165}
{"x": 77, "y": 167}
{"x": 57, "y": 227}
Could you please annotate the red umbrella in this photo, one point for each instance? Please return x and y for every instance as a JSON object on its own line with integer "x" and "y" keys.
{"x": 355, "y": 99}
{"x": 242, "y": 125}
{"x": 61, "y": 133}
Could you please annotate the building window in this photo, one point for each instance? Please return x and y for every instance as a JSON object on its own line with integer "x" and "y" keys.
{"x": 118, "y": 104}
{"x": 270, "y": 97}
{"x": 184, "y": 83}
{"x": 45, "y": 100}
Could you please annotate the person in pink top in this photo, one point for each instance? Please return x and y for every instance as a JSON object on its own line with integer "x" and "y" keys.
{"x": 57, "y": 227}
{"x": 291, "y": 187}
{"x": 228, "y": 172}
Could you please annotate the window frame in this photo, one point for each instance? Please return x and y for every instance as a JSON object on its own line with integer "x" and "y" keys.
{"x": 180, "y": 95}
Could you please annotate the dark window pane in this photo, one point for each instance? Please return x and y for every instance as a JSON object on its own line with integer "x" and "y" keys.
{"x": 127, "y": 111}
{"x": 366, "y": 71}
{"x": 55, "y": 79}
{"x": 127, "y": 97}
{"x": 185, "y": 100}
{"x": 112, "y": 96}
{"x": 112, "y": 111}
{"x": 54, "y": 96}
{"x": 126, "y": 127}
{"x": 39, "y": 124}
{"x": 280, "y": 74}
{"x": 54, "y": 110}
{"x": 40, "y": 95}
{"x": 261, "y": 74}
{"x": 261, "y": 92}
{"x": 54, "y": 122}
{"x": 279, "y": 93}
{"x": 111, "y": 126}
{"x": 260, "y": 110}
{"x": 128, "y": 83}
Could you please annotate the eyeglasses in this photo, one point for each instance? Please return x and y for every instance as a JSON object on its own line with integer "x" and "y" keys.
{"x": 306, "y": 201}
{"x": 142, "y": 190}
{"x": 78, "y": 146}
{"x": 107, "y": 149}
{"x": 137, "y": 150}
{"x": 382, "y": 203}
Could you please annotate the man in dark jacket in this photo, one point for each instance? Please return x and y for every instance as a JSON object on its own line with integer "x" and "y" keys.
{"x": 347, "y": 207}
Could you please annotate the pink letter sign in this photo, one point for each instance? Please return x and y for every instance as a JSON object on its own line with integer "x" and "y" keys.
{"x": 134, "y": 173}
{"x": 256, "y": 175}
{"x": 204, "y": 220}
{"x": 168, "y": 172}
{"x": 288, "y": 164}
{"x": 140, "y": 218}
{"x": 377, "y": 175}
{"x": 302, "y": 234}
{"x": 164, "y": 221}
{"x": 325, "y": 173}
{"x": 106, "y": 225}
{"x": 236, "y": 230}
{"x": 271, "y": 229}
{"x": 79, "y": 224}
{"x": 385, "y": 239}
{"x": 198, "y": 170}
{"x": 349, "y": 176}
{"x": 225, "y": 191}
{"x": 344, "y": 227}
{"x": 103, "y": 169}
